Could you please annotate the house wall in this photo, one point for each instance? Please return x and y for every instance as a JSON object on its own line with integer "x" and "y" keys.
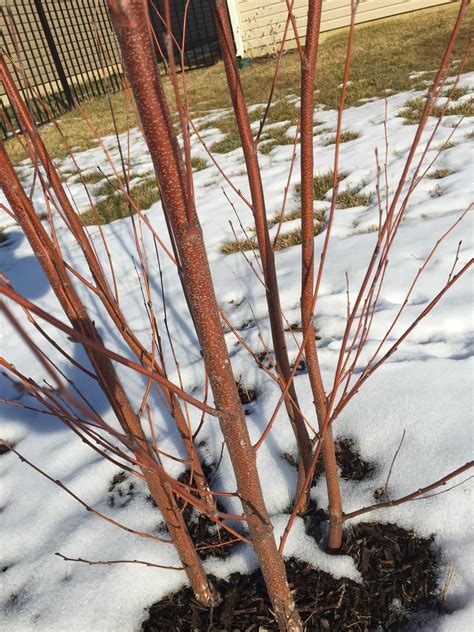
{"x": 262, "y": 22}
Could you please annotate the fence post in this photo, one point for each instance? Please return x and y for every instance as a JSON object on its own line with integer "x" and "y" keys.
{"x": 54, "y": 53}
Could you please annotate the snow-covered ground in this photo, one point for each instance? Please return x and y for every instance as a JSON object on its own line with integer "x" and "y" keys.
{"x": 425, "y": 390}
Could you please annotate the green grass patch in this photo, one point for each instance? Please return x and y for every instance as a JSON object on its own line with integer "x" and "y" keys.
{"x": 228, "y": 126}
{"x": 116, "y": 205}
{"x": 225, "y": 124}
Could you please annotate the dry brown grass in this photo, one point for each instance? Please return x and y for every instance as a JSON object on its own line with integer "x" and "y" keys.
{"x": 346, "y": 136}
{"x": 351, "y": 197}
{"x": 295, "y": 214}
{"x": 441, "y": 173}
{"x": 322, "y": 184}
{"x": 292, "y": 238}
{"x": 198, "y": 164}
{"x": 385, "y": 54}
{"x": 276, "y": 136}
{"x": 414, "y": 108}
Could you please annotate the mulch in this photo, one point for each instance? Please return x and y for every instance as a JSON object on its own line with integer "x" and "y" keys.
{"x": 399, "y": 579}
{"x": 398, "y": 569}
{"x": 352, "y": 466}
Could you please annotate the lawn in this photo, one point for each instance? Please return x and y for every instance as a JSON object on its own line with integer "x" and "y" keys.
{"x": 388, "y": 55}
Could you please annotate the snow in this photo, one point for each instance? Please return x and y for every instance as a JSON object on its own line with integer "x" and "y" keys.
{"x": 425, "y": 390}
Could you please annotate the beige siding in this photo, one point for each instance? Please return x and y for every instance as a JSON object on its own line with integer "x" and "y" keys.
{"x": 263, "y": 21}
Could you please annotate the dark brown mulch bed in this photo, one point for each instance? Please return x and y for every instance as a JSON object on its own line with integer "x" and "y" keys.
{"x": 399, "y": 579}
{"x": 352, "y": 466}
{"x": 208, "y": 537}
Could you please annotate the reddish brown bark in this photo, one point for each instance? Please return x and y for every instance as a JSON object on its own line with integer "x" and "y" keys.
{"x": 129, "y": 19}
{"x": 55, "y": 271}
{"x": 263, "y": 238}
{"x": 308, "y": 72}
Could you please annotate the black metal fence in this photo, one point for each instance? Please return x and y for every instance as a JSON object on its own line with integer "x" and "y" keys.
{"x": 200, "y": 45}
{"x": 65, "y": 51}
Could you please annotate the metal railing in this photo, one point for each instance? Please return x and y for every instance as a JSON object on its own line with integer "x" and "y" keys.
{"x": 65, "y": 52}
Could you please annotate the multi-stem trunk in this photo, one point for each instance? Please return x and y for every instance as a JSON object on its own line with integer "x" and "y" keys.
{"x": 53, "y": 266}
{"x": 307, "y": 250}
{"x": 106, "y": 296}
{"x": 263, "y": 238}
{"x": 130, "y": 21}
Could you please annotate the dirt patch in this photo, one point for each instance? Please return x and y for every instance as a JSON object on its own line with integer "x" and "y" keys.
{"x": 399, "y": 579}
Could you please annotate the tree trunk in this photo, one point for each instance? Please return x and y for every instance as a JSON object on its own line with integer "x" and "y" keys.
{"x": 130, "y": 23}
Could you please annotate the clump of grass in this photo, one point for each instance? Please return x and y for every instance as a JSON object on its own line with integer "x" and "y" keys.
{"x": 227, "y": 144}
{"x": 292, "y": 215}
{"x": 256, "y": 114}
{"x": 198, "y": 163}
{"x": 320, "y": 129}
{"x": 292, "y": 238}
{"x": 116, "y": 205}
{"x": 373, "y": 228}
{"x": 436, "y": 191}
{"x": 274, "y": 137}
{"x": 238, "y": 245}
{"x": 346, "y": 136}
{"x": 3, "y": 237}
{"x": 470, "y": 135}
{"x": 455, "y": 94}
{"x": 413, "y": 110}
{"x": 225, "y": 124}
{"x": 93, "y": 177}
{"x": 441, "y": 173}
{"x": 351, "y": 197}
{"x": 283, "y": 110}
{"x": 108, "y": 186}
{"x": 322, "y": 184}
{"x": 449, "y": 144}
